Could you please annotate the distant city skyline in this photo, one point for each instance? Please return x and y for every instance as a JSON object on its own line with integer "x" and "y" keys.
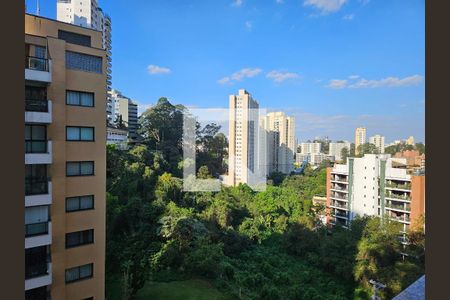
{"x": 314, "y": 62}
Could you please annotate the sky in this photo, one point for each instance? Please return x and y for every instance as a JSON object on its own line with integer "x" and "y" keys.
{"x": 332, "y": 64}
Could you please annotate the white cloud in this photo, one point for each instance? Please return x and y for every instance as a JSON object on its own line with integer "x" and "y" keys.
{"x": 337, "y": 83}
{"x": 237, "y": 3}
{"x": 348, "y": 17}
{"x": 357, "y": 83}
{"x": 388, "y": 82}
{"x": 278, "y": 76}
{"x": 248, "y": 25}
{"x": 153, "y": 69}
{"x": 239, "y": 75}
{"x": 325, "y": 6}
{"x": 279, "y": 1}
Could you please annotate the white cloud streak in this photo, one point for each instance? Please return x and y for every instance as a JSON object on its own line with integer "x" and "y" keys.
{"x": 153, "y": 69}
{"x": 374, "y": 83}
{"x": 278, "y": 76}
{"x": 325, "y": 6}
{"x": 240, "y": 75}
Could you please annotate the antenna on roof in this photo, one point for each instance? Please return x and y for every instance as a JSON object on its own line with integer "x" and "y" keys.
{"x": 38, "y": 9}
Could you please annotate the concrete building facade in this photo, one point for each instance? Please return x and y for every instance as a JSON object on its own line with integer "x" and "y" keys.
{"x": 335, "y": 149}
{"x": 360, "y": 138}
{"x": 310, "y": 148}
{"x": 372, "y": 185}
{"x": 378, "y": 141}
{"x": 280, "y": 142}
{"x": 127, "y": 110}
{"x": 65, "y": 165}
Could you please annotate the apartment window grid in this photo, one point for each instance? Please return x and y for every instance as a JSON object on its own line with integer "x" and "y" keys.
{"x": 35, "y": 139}
{"x": 80, "y": 134}
{"x": 83, "y": 62}
{"x": 79, "y": 238}
{"x": 79, "y": 273}
{"x": 79, "y": 203}
{"x": 80, "y": 168}
{"x": 78, "y": 98}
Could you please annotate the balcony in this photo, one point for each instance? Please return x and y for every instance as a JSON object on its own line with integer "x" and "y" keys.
{"x": 38, "y": 111}
{"x": 399, "y": 218}
{"x": 38, "y": 152}
{"x": 403, "y": 197}
{"x": 38, "y": 234}
{"x": 398, "y": 186}
{"x": 43, "y": 277}
{"x": 336, "y": 205}
{"x": 38, "y": 69}
{"x": 338, "y": 188}
{"x": 36, "y": 186}
{"x": 400, "y": 207}
{"x": 44, "y": 196}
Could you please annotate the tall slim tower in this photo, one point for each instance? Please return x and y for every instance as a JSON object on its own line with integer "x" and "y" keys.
{"x": 280, "y": 141}
{"x": 87, "y": 13}
{"x": 65, "y": 165}
{"x": 360, "y": 138}
{"x": 243, "y": 137}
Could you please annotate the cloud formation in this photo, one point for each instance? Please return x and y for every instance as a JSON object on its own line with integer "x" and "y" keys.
{"x": 356, "y": 83}
{"x": 239, "y": 75}
{"x": 278, "y": 76}
{"x": 153, "y": 69}
{"x": 237, "y": 3}
{"x": 248, "y": 25}
{"x": 325, "y": 6}
{"x": 279, "y": 1}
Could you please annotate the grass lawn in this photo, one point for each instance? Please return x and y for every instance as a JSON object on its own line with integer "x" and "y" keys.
{"x": 193, "y": 289}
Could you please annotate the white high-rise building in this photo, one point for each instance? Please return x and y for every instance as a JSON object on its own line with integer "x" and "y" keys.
{"x": 87, "y": 13}
{"x": 243, "y": 141}
{"x": 360, "y": 138}
{"x": 126, "y": 110}
{"x": 335, "y": 149}
{"x": 280, "y": 141}
{"x": 310, "y": 148}
{"x": 378, "y": 141}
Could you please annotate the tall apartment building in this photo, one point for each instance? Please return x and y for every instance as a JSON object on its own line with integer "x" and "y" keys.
{"x": 243, "y": 138}
{"x": 65, "y": 165}
{"x": 335, "y": 149}
{"x": 310, "y": 148}
{"x": 87, "y": 13}
{"x": 127, "y": 110}
{"x": 378, "y": 141}
{"x": 374, "y": 185}
{"x": 360, "y": 138}
{"x": 280, "y": 142}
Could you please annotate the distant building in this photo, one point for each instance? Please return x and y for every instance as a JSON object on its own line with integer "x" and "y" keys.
{"x": 335, "y": 149}
{"x": 413, "y": 158}
{"x": 410, "y": 140}
{"x": 243, "y": 138}
{"x": 378, "y": 141}
{"x": 360, "y": 138}
{"x": 117, "y": 137}
{"x": 374, "y": 185}
{"x": 300, "y": 158}
{"x": 126, "y": 111}
{"x": 318, "y": 158}
{"x": 280, "y": 140}
{"x": 310, "y": 148}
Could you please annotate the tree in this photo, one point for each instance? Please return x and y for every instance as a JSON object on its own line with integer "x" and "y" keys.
{"x": 344, "y": 154}
{"x": 367, "y": 148}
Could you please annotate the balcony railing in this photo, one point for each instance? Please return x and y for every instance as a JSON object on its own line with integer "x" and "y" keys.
{"x": 335, "y": 204}
{"x": 406, "y": 186}
{"x": 38, "y": 105}
{"x": 399, "y": 206}
{"x": 404, "y": 218}
{"x": 36, "y": 229}
{"x": 36, "y": 270}
{"x": 36, "y": 146}
{"x": 36, "y": 63}
{"x": 336, "y": 187}
{"x": 400, "y": 197}
{"x": 36, "y": 186}
{"x": 343, "y": 197}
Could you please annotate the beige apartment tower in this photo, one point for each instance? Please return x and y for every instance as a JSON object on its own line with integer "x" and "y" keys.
{"x": 280, "y": 131}
{"x": 243, "y": 138}
{"x": 65, "y": 165}
{"x": 360, "y": 138}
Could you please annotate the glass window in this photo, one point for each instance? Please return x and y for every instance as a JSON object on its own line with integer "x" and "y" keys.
{"x": 87, "y": 134}
{"x": 85, "y": 271}
{"x": 83, "y": 62}
{"x": 87, "y": 168}
{"x": 39, "y": 51}
{"x": 77, "y": 273}
{"x": 79, "y": 133}
{"x": 80, "y": 98}
{"x": 79, "y": 203}
{"x": 73, "y": 133}
{"x": 80, "y": 168}
{"x": 79, "y": 238}
{"x": 87, "y": 202}
{"x": 72, "y": 169}
{"x": 87, "y": 99}
{"x": 72, "y": 204}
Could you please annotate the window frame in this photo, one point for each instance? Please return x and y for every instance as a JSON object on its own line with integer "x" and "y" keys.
{"x": 81, "y": 92}
{"x": 79, "y": 203}
{"x": 79, "y": 128}
{"x": 80, "y": 234}
{"x": 78, "y": 271}
{"x": 79, "y": 168}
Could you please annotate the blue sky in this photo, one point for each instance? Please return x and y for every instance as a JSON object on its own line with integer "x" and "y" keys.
{"x": 333, "y": 64}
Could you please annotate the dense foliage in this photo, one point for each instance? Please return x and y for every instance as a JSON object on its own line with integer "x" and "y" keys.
{"x": 252, "y": 245}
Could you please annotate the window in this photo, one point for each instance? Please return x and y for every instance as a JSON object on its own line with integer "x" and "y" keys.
{"x": 36, "y": 181}
{"x": 83, "y": 62}
{"x": 80, "y": 168}
{"x": 79, "y": 238}
{"x": 80, "y": 98}
{"x": 79, "y": 203}
{"x": 39, "y": 51}
{"x": 78, "y": 273}
{"x": 79, "y": 133}
{"x": 74, "y": 38}
{"x": 35, "y": 139}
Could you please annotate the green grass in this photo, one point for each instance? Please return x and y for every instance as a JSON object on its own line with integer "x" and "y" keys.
{"x": 192, "y": 289}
